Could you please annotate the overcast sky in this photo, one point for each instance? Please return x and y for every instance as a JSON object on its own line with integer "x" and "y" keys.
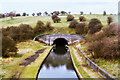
{"x": 74, "y": 6}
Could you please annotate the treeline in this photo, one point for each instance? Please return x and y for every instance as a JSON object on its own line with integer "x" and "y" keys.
{"x": 15, "y": 34}
{"x": 13, "y": 14}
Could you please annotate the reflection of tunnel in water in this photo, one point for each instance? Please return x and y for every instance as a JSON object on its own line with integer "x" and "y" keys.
{"x": 58, "y": 66}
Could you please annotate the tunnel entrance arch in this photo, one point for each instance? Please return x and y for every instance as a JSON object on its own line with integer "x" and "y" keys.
{"x": 60, "y": 46}
{"x": 60, "y": 42}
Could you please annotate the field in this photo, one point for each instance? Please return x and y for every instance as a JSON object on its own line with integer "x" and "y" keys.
{"x": 5, "y": 22}
{"x": 29, "y": 47}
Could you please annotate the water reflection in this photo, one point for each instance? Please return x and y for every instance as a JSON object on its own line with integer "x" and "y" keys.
{"x": 58, "y": 65}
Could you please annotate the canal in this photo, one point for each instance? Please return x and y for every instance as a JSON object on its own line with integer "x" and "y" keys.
{"x": 58, "y": 65}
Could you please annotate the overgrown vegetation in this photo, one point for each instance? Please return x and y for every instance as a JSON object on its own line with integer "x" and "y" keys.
{"x": 73, "y": 24}
{"x": 104, "y": 44}
{"x": 109, "y": 20}
{"x": 8, "y": 45}
{"x": 70, "y": 17}
{"x": 81, "y": 28}
{"x": 94, "y": 26}
{"x": 23, "y": 32}
{"x": 55, "y": 19}
{"x": 82, "y": 18}
{"x": 19, "y": 33}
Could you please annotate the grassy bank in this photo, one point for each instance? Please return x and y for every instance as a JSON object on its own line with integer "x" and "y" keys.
{"x": 110, "y": 66}
{"x": 81, "y": 67}
{"x": 11, "y": 67}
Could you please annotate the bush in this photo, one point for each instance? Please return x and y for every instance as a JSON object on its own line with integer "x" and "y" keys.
{"x": 111, "y": 30}
{"x": 26, "y": 32}
{"x": 109, "y": 20}
{"x": 8, "y": 45}
{"x": 55, "y": 19}
{"x": 20, "y": 33}
{"x": 73, "y": 24}
{"x": 40, "y": 27}
{"x": 105, "y": 43}
{"x": 54, "y": 16}
{"x": 82, "y": 18}
{"x": 70, "y": 17}
{"x": 94, "y": 26}
{"x": 81, "y": 28}
{"x": 48, "y": 26}
{"x": 106, "y": 48}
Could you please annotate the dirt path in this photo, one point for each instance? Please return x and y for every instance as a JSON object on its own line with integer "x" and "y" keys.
{"x": 32, "y": 58}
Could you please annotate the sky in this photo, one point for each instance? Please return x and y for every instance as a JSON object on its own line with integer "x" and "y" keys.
{"x": 73, "y": 6}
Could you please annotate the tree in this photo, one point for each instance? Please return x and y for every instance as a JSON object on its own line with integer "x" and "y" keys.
{"x": 11, "y": 14}
{"x": 46, "y": 13}
{"x": 81, "y": 12}
{"x": 63, "y": 12}
{"x": 104, "y": 13}
{"x": 24, "y": 14}
{"x": 69, "y": 12}
{"x": 56, "y": 12}
{"x": 33, "y": 14}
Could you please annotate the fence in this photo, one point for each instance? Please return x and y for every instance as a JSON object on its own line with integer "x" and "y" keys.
{"x": 96, "y": 68}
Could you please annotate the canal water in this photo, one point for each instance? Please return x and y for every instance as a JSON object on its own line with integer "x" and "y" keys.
{"x": 58, "y": 65}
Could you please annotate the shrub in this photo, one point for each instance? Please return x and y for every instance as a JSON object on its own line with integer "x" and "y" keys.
{"x": 106, "y": 48}
{"x": 48, "y": 26}
{"x": 111, "y": 30}
{"x": 81, "y": 28}
{"x": 94, "y": 26}
{"x": 82, "y": 18}
{"x": 73, "y": 24}
{"x": 105, "y": 43}
{"x": 54, "y": 16}
{"x": 40, "y": 27}
{"x": 55, "y": 19}
{"x": 20, "y": 33}
{"x": 70, "y": 17}
{"x": 109, "y": 20}
{"x": 8, "y": 45}
{"x": 26, "y": 32}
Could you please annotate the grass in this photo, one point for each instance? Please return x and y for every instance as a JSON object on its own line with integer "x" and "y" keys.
{"x": 109, "y": 66}
{"x": 12, "y": 68}
{"x": 29, "y": 47}
{"x": 5, "y": 22}
{"x": 80, "y": 65}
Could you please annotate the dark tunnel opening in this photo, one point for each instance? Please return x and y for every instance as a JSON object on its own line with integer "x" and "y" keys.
{"x": 60, "y": 46}
{"x": 60, "y": 42}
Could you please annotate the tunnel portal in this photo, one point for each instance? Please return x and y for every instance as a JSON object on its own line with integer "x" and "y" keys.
{"x": 60, "y": 42}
